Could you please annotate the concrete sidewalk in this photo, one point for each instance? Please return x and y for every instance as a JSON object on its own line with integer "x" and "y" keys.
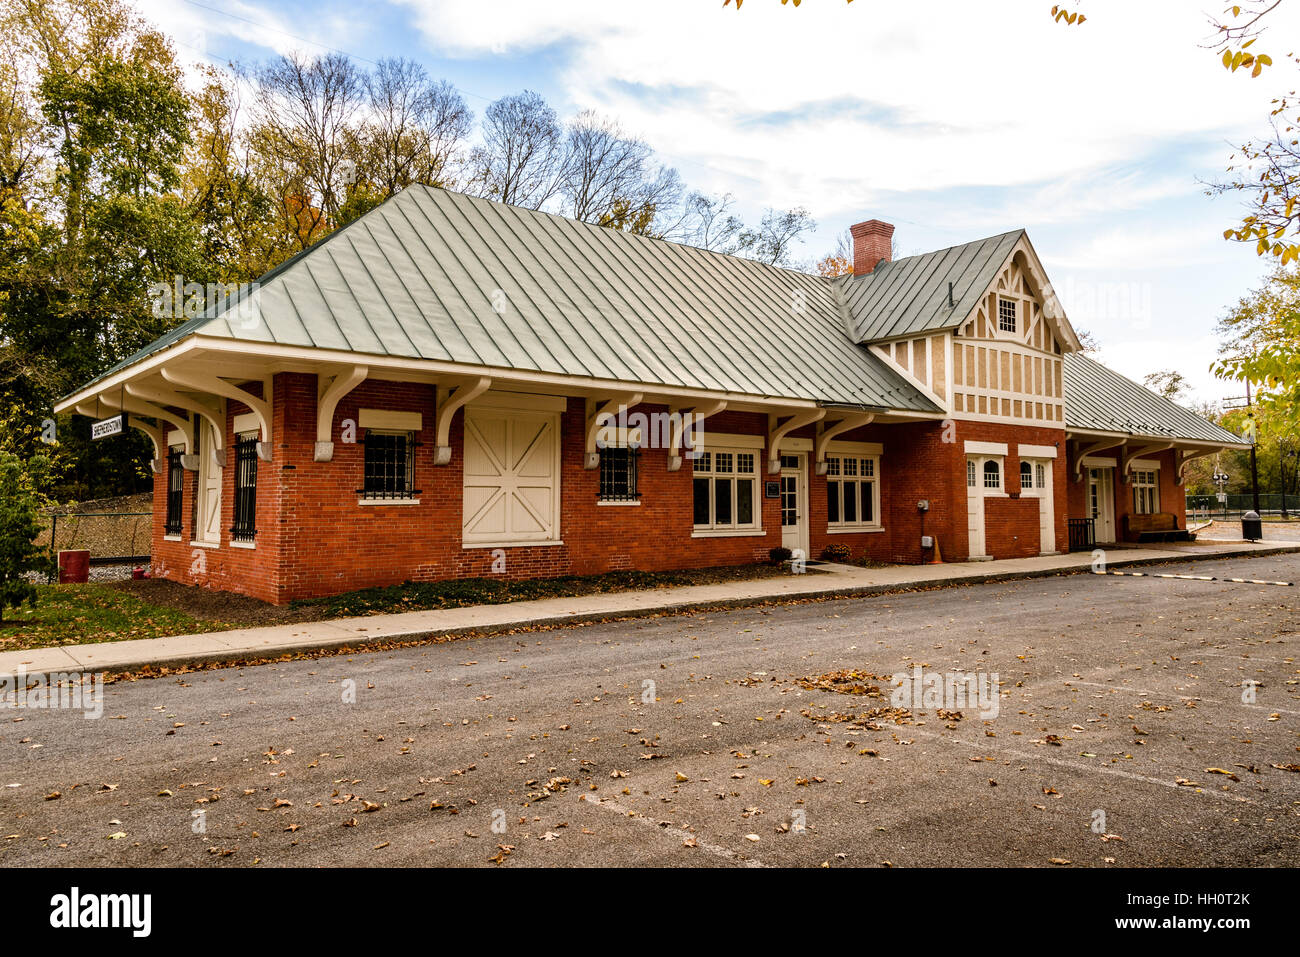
{"x": 837, "y": 581}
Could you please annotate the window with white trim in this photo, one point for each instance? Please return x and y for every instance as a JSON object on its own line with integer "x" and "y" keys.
{"x": 971, "y": 476}
{"x": 852, "y": 491}
{"x": 1040, "y": 475}
{"x": 1026, "y": 475}
{"x": 1007, "y": 314}
{"x": 992, "y": 473}
{"x": 1146, "y": 491}
{"x": 726, "y": 490}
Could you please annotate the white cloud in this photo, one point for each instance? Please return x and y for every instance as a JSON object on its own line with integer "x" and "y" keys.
{"x": 971, "y": 95}
{"x": 197, "y": 29}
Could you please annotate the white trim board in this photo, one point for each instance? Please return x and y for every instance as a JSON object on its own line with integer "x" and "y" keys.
{"x": 1036, "y": 451}
{"x": 524, "y": 401}
{"x": 385, "y": 419}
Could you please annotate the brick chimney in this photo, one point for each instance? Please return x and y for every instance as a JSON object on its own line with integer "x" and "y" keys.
{"x": 871, "y": 242}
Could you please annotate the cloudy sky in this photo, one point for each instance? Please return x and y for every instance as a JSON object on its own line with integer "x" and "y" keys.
{"x": 953, "y": 120}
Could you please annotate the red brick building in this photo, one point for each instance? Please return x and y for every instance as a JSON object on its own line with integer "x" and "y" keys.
{"x": 451, "y": 387}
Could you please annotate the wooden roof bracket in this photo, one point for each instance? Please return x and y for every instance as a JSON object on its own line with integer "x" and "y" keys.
{"x": 140, "y": 407}
{"x": 829, "y": 430}
{"x": 162, "y": 397}
{"x": 214, "y": 385}
{"x": 599, "y": 414}
{"x": 151, "y": 429}
{"x": 1185, "y": 459}
{"x": 1086, "y": 450}
{"x": 327, "y": 402}
{"x": 450, "y": 401}
{"x": 689, "y": 422}
{"x": 1133, "y": 452}
{"x": 778, "y": 429}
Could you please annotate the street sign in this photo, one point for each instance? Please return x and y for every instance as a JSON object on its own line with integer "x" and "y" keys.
{"x": 107, "y": 427}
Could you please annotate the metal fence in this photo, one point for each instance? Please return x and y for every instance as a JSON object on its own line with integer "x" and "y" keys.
{"x": 115, "y": 540}
{"x": 1270, "y": 503}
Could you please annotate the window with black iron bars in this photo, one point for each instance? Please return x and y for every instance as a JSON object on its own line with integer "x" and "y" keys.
{"x": 245, "y": 526}
{"x": 175, "y": 491}
{"x": 389, "y": 465}
{"x": 618, "y": 475}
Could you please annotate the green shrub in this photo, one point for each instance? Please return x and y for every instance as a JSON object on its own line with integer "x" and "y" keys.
{"x": 20, "y": 523}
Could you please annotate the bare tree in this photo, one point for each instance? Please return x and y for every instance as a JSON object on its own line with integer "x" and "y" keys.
{"x": 776, "y": 235}
{"x": 416, "y": 128}
{"x": 708, "y": 222}
{"x": 610, "y": 178}
{"x": 521, "y": 158}
{"x": 306, "y": 132}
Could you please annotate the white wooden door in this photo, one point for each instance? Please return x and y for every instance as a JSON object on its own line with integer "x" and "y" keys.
{"x": 975, "y": 508}
{"x": 794, "y": 514}
{"x": 1040, "y": 487}
{"x": 1101, "y": 503}
{"x": 511, "y": 483}
{"x": 208, "y": 520}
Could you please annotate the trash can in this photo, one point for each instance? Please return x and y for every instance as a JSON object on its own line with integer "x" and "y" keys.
{"x": 74, "y": 567}
{"x": 1252, "y": 529}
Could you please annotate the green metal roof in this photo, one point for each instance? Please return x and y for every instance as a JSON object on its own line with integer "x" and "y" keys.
{"x": 910, "y": 296}
{"x": 1099, "y": 399}
{"x": 433, "y": 274}
{"x": 437, "y": 275}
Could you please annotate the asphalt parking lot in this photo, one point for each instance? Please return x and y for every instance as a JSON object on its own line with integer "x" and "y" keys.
{"x": 1126, "y": 734}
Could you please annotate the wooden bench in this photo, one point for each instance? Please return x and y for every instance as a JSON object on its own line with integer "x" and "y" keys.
{"x": 1156, "y": 527}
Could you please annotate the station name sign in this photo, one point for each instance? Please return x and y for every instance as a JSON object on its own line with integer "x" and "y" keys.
{"x": 106, "y": 427}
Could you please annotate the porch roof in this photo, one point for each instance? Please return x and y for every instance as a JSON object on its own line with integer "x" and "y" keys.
{"x": 433, "y": 274}
{"x": 1098, "y": 399}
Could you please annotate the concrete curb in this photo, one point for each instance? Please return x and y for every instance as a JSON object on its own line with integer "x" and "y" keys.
{"x": 235, "y": 656}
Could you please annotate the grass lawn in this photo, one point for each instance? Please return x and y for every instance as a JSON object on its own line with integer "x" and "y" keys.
{"x": 81, "y": 614}
{"x": 153, "y": 608}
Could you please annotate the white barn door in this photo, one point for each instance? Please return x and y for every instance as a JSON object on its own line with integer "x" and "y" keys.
{"x": 512, "y": 477}
{"x": 208, "y": 519}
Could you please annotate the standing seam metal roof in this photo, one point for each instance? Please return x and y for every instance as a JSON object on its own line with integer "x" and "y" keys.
{"x": 1101, "y": 400}
{"x": 416, "y": 278}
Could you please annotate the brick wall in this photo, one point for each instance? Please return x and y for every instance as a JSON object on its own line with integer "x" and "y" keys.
{"x": 251, "y": 571}
{"x": 315, "y": 538}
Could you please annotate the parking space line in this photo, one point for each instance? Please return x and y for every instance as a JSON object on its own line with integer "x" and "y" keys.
{"x": 609, "y": 804}
{"x": 1183, "y": 697}
{"x": 1076, "y": 766}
